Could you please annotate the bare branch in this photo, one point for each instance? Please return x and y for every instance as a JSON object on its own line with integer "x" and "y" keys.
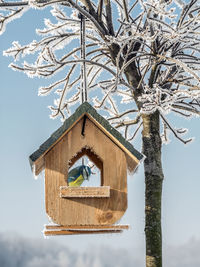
{"x": 129, "y": 122}
{"x": 109, "y": 17}
{"x": 10, "y": 14}
{"x": 89, "y": 6}
{"x": 181, "y": 113}
{"x": 14, "y": 4}
{"x": 123, "y": 114}
{"x": 92, "y": 18}
{"x": 151, "y": 62}
{"x": 174, "y": 131}
{"x": 125, "y": 10}
{"x": 135, "y": 133}
{"x": 185, "y": 108}
{"x": 181, "y": 64}
{"x": 100, "y": 8}
{"x": 59, "y": 109}
{"x": 101, "y": 104}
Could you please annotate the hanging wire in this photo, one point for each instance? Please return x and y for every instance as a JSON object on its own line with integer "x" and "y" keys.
{"x": 83, "y": 67}
{"x": 83, "y": 56}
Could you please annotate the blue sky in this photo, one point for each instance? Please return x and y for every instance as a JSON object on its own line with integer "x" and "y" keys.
{"x": 25, "y": 124}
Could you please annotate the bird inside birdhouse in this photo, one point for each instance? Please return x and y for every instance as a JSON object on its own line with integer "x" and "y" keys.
{"x": 83, "y": 172}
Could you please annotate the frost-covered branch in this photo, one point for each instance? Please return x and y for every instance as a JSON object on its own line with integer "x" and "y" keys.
{"x": 123, "y": 114}
{"x": 135, "y": 132}
{"x": 128, "y": 122}
{"x": 13, "y": 4}
{"x": 175, "y": 131}
{"x": 150, "y": 60}
{"x": 9, "y": 13}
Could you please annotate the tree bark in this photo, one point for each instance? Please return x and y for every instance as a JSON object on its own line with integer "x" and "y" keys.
{"x": 153, "y": 188}
{"x": 152, "y": 167}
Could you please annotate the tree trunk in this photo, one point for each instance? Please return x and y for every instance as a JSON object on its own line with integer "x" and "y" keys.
{"x": 153, "y": 189}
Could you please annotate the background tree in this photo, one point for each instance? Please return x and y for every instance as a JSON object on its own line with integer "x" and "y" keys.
{"x": 144, "y": 54}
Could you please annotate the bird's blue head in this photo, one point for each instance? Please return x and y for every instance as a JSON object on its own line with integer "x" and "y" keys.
{"x": 86, "y": 172}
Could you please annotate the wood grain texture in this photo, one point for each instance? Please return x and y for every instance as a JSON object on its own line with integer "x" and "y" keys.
{"x": 86, "y": 211}
{"x": 73, "y": 192}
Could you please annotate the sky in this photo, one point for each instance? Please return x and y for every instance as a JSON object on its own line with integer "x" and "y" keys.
{"x": 24, "y": 126}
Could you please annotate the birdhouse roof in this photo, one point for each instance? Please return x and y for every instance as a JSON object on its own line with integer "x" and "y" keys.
{"x": 99, "y": 121}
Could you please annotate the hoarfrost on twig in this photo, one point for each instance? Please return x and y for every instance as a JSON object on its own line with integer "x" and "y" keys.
{"x": 149, "y": 60}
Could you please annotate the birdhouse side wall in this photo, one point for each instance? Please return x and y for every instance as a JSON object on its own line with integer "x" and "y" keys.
{"x": 86, "y": 211}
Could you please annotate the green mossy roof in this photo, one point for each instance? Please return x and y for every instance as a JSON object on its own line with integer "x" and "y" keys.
{"x": 84, "y": 108}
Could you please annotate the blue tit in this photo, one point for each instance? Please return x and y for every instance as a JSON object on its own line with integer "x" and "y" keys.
{"x": 77, "y": 175}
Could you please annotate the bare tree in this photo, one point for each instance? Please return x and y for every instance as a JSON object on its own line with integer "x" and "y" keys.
{"x": 144, "y": 53}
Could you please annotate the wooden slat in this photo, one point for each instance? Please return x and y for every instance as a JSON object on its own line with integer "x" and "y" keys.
{"x": 69, "y": 192}
{"x": 79, "y": 232}
{"x": 87, "y": 227}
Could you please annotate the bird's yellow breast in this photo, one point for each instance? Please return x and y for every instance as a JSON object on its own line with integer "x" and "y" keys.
{"x": 77, "y": 182}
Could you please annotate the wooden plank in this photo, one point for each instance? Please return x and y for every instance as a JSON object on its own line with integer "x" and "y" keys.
{"x": 87, "y": 227}
{"x": 78, "y": 232}
{"x": 69, "y": 192}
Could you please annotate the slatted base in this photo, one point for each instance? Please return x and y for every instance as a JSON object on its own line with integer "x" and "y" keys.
{"x": 51, "y": 230}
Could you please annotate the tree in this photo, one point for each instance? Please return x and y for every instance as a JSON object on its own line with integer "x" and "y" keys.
{"x": 144, "y": 53}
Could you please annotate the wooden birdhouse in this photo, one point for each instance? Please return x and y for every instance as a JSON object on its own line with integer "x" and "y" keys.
{"x": 85, "y": 209}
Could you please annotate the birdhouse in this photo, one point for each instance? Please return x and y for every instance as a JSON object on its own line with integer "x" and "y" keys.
{"x": 79, "y": 210}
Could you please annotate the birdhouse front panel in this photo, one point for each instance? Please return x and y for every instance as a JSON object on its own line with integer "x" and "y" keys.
{"x": 76, "y": 209}
{"x": 112, "y": 161}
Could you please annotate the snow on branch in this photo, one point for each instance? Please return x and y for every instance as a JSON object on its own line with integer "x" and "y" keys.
{"x": 176, "y": 132}
{"x": 9, "y": 13}
{"x": 147, "y": 61}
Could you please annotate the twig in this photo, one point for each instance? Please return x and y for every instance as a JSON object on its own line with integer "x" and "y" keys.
{"x": 136, "y": 131}
{"x": 174, "y": 131}
{"x": 123, "y": 114}
{"x": 130, "y": 122}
